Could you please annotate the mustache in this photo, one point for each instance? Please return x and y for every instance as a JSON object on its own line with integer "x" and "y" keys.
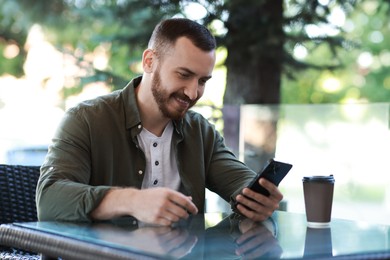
{"x": 184, "y": 97}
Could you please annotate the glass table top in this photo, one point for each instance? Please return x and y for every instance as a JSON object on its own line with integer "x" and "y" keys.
{"x": 222, "y": 236}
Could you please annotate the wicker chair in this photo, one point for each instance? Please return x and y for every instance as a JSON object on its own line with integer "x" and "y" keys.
{"x": 17, "y": 202}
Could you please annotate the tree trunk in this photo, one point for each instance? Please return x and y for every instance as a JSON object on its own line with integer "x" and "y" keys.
{"x": 255, "y": 49}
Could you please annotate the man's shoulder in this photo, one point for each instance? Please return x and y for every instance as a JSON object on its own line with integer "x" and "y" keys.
{"x": 99, "y": 103}
{"x": 114, "y": 100}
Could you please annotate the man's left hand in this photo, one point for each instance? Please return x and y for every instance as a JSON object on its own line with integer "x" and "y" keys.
{"x": 256, "y": 206}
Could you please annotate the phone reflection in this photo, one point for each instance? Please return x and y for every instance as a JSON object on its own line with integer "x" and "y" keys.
{"x": 246, "y": 239}
{"x": 318, "y": 242}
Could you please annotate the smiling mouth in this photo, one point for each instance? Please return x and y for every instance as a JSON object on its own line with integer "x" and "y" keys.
{"x": 183, "y": 102}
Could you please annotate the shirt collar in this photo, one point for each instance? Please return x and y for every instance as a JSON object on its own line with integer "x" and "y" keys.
{"x": 132, "y": 115}
{"x": 133, "y": 120}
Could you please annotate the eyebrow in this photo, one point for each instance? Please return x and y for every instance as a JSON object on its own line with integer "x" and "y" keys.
{"x": 193, "y": 73}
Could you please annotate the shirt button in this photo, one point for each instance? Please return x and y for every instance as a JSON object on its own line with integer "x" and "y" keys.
{"x": 140, "y": 172}
{"x": 154, "y": 144}
{"x": 156, "y": 163}
{"x": 155, "y": 182}
{"x": 139, "y": 126}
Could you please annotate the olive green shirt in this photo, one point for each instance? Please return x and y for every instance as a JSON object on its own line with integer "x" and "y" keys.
{"x": 95, "y": 148}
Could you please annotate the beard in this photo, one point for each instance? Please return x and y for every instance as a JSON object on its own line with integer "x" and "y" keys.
{"x": 163, "y": 98}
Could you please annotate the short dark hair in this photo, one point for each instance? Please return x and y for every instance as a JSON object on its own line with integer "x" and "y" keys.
{"x": 168, "y": 31}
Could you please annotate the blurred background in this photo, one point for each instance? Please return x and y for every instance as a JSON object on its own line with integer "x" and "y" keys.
{"x": 304, "y": 81}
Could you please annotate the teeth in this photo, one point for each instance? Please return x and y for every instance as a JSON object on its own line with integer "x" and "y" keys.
{"x": 182, "y": 101}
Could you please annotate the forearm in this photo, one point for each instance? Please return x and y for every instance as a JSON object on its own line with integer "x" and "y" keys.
{"x": 64, "y": 200}
{"x": 161, "y": 206}
{"x": 114, "y": 204}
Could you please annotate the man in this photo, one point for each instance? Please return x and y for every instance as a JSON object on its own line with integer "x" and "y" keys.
{"x": 139, "y": 152}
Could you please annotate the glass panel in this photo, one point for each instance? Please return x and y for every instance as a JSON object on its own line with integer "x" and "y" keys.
{"x": 350, "y": 141}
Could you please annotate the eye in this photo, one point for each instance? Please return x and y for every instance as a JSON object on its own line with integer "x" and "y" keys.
{"x": 202, "y": 82}
{"x": 183, "y": 75}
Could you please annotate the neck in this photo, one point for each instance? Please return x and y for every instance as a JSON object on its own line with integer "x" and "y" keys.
{"x": 155, "y": 126}
{"x": 151, "y": 117}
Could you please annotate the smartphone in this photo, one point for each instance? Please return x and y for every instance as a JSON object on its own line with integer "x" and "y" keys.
{"x": 274, "y": 172}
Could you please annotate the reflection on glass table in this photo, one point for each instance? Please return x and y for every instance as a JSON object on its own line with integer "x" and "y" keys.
{"x": 208, "y": 236}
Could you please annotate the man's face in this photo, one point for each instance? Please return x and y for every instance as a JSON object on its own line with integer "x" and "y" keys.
{"x": 179, "y": 80}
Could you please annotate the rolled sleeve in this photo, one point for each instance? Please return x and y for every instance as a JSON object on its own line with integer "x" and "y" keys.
{"x": 63, "y": 190}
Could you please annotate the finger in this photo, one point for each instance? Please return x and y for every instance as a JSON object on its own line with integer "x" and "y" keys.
{"x": 178, "y": 239}
{"x": 163, "y": 221}
{"x": 174, "y": 240}
{"x": 256, "y": 201}
{"x": 270, "y": 202}
{"x": 254, "y": 196}
{"x": 190, "y": 206}
{"x": 185, "y": 247}
{"x": 175, "y": 212}
{"x": 171, "y": 235}
{"x": 170, "y": 213}
{"x": 248, "y": 246}
{"x": 260, "y": 231}
{"x": 255, "y": 216}
{"x": 246, "y": 225}
{"x": 184, "y": 202}
{"x": 270, "y": 247}
{"x": 159, "y": 231}
{"x": 256, "y": 238}
{"x": 272, "y": 189}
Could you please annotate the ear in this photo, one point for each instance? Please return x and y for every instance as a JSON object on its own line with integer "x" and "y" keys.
{"x": 148, "y": 58}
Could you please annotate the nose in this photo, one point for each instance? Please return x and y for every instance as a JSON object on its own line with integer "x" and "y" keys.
{"x": 191, "y": 90}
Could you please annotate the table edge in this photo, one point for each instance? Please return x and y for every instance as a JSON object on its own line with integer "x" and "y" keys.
{"x": 60, "y": 246}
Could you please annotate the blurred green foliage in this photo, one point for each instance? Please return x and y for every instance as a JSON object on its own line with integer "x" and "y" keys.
{"x": 122, "y": 27}
{"x": 364, "y": 75}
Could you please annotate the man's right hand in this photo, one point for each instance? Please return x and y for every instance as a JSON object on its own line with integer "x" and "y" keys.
{"x": 160, "y": 206}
